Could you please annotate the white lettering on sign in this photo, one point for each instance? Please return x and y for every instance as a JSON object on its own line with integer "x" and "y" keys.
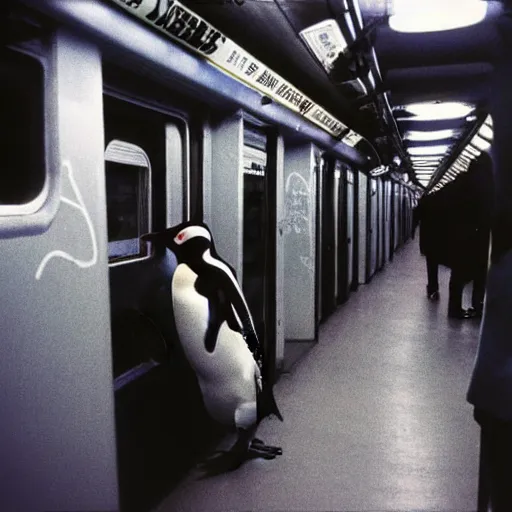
{"x": 183, "y": 25}
{"x": 352, "y": 138}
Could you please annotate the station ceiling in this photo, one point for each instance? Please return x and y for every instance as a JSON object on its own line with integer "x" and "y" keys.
{"x": 377, "y": 76}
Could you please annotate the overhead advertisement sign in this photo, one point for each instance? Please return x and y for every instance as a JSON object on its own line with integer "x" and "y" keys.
{"x": 181, "y": 24}
{"x": 326, "y": 41}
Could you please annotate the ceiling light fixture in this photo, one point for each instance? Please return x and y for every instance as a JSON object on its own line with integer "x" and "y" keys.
{"x": 429, "y": 150}
{"x": 435, "y": 15}
{"x": 427, "y": 136}
{"x": 438, "y": 110}
{"x": 479, "y": 143}
{"x": 486, "y": 132}
{"x": 425, "y": 159}
{"x": 379, "y": 171}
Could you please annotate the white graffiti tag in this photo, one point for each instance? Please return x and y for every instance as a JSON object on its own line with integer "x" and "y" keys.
{"x": 298, "y": 203}
{"x": 80, "y": 206}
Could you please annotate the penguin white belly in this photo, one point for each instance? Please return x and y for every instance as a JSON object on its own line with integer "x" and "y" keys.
{"x": 226, "y": 375}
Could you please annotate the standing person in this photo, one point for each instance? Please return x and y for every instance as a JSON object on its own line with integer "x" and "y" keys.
{"x": 483, "y": 188}
{"x": 469, "y": 236}
{"x": 490, "y": 390}
{"x": 425, "y": 216}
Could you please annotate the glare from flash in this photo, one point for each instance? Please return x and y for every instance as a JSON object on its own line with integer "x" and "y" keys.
{"x": 438, "y": 110}
{"x": 436, "y": 15}
{"x": 432, "y": 135}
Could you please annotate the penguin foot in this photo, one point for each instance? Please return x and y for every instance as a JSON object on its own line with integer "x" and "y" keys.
{"x": 226, "y": 461}
{"x": 257, "y": 445}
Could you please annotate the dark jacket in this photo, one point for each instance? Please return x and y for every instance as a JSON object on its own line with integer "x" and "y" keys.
{"x": 455, "y": 222}
{"x": 491, "y": 383}
{"x": 430, "y": 219}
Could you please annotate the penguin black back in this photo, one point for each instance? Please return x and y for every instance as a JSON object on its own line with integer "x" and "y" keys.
{"x": 192, "y": 243}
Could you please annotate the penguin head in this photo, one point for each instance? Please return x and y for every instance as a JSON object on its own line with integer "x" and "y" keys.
{"x": 188, "y": 240}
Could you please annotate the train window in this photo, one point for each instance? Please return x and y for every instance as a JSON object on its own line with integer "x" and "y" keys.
{"x": 22, "y": 173}
{"x": 128, "y": 179}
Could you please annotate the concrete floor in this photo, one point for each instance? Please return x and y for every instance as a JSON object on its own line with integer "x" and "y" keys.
{"x": 375, "y": 414}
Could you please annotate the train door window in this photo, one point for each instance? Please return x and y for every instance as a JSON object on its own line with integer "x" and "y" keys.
{"x": 128, "y": 179}
{"x": 23, "y": 172}
{"x": 145, "y": 166}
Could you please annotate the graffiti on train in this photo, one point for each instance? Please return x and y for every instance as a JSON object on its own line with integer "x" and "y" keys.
{"x": 79, "y": 205}
{"x": 180, "y": 23}
{"x": 298, "y": 216}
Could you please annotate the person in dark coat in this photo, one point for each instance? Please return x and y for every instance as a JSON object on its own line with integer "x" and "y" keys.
{"x": 426, "y": 215}
{"x": 469, "y": 233}
{"x": 490, "y": 390}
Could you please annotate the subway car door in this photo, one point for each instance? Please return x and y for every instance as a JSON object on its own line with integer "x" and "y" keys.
{"x": 328, "y": 253}
{"x": 374, "y": 226}
{"x": 144, "y": 174}
{"x": 338, "y": 194}
{"x": 259, "y": 236}
{"x": 363, "y": 228}
{"x": 342, "y": 245}
{"x": 318, "y": 188}
{"x": 396, "y": 214}
{"x": 350, "y": 215}
{"x": 387, "y": 219}
{"x": 380, "y": 194}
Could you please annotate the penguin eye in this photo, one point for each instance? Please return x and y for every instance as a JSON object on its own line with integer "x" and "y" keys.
{"x": 180, "y": 237}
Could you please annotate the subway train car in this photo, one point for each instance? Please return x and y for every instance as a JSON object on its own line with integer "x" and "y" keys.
{"x": 283, "y": 125}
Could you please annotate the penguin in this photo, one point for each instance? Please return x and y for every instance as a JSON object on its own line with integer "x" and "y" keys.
{"x": 217, "y": 333}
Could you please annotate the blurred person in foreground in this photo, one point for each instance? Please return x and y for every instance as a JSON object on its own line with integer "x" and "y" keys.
{"x": 490, "y": 390}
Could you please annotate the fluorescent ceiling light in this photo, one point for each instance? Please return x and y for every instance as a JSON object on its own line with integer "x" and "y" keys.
{"x": 472, "y": 150}
{"x": 350, "y": 24}
{"x": 426, "y": 159}
{"x": 435, "y": 15}
{"x": 438, "y": 110}
{"x": 434, "y": 135}
{"x": 480, "y": 143}
{"x": 371, "y": 79}
{"x": 429, "y": 150}
{"x": 326, "y": 41}
{"x": 486, "y": 132}
{"x": 379, "y": 171}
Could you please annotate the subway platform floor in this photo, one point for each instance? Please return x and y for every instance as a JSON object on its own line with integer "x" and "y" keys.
{"x": 375, "y": 414}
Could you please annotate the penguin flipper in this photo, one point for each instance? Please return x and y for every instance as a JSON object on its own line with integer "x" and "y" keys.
{"x": 214, "y": 314}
